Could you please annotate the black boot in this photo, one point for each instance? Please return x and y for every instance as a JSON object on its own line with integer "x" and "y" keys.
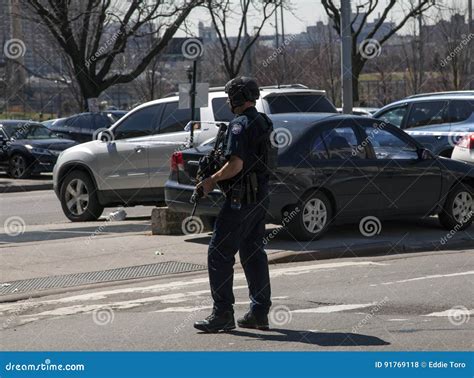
{"x": 216, "y": 322}
{"x": 251, "y": 320}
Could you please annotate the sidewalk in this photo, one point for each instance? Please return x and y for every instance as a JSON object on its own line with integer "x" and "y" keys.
{"x": 39, "y": 182}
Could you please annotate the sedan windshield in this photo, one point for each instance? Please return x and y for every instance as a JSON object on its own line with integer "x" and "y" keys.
{"x": 28, "y": 131}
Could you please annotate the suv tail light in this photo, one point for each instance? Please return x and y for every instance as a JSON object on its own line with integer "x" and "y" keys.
{"x": 177, "y": 162}
{"x": 467, "y": 142}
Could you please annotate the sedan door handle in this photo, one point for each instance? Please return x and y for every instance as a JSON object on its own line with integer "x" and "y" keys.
{"x": 139, "y": 149}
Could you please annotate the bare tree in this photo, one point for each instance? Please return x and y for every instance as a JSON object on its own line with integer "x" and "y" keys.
{"x": 225, "y": 14}
{"x": 360, "y": 24}
{"x": 454, "y": 46}
{"x": 94, "y": 35}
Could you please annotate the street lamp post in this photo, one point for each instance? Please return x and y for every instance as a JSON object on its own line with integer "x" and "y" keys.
{"x": 346, "y": 48}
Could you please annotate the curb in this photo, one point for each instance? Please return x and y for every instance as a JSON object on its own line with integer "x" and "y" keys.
{"x": 365, "y": 250}
{"x": 26, "y": 188}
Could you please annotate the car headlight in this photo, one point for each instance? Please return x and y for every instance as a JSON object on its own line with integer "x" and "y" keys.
{"x": 37, "y": 150}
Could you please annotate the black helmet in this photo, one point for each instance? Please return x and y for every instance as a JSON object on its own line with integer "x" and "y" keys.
{"x": 242, "y": 89}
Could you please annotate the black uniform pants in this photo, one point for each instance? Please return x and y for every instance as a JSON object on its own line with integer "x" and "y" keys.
{"x": 239, "y": 230}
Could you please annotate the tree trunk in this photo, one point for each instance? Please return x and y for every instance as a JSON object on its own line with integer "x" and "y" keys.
{"x": 357, "y": 65}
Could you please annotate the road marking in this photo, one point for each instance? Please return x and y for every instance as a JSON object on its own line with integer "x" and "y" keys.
{"x": 335, "y": 308}
{"x": 176, "y": 285}
{"x": 193, "y": 309}
{"x": 451, "y": 312}
{"x": 397, "y": 320}
{"x": 427, "y": 278}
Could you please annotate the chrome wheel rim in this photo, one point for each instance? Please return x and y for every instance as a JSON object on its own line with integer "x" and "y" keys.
{"x": 18, "y": 166}
{"x": 77, "y": 197}
{"x": 314, "y": 215}
{"x": 463, "y": 207}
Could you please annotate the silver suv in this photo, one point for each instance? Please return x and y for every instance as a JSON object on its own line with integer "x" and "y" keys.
{"x": 129, "y": 163}
{"x": 437, "y": 120}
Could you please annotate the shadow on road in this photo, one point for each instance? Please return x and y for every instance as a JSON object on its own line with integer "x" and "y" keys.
{"x": 326, "y": 339}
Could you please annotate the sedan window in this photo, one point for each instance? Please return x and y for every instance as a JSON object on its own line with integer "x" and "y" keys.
{"x": 394, "y": 116}
{"x": 427, "y": 113}
{"x": 389, "y": 146}
{"x": 339, "y": 143}
{"x": 83, "y": 121}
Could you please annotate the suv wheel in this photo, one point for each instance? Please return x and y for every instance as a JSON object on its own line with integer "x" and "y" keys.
{"x": 458, "y": 210}
{"x": 312, "y": 218}
{"x": 18, "y": 167}
{"x": 79, "y": 198}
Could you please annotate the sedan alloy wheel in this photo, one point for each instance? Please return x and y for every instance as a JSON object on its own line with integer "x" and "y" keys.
{"x": 315, "y": 215}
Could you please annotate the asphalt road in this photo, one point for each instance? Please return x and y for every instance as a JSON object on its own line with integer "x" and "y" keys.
{"x": 43, "y": 207}
{"x": 421, "y": 301}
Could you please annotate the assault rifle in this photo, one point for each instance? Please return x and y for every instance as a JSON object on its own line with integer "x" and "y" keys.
{"x": 209, "y": 164}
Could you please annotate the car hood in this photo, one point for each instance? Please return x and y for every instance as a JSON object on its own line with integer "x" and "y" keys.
{"x": 461, "y": 167}
{"x": 55, "y": 144}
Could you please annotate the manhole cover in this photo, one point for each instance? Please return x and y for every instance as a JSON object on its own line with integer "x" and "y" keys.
{"x": 78, "y": 279}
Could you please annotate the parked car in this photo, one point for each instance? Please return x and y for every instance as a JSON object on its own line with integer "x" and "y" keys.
{"x": 29, "y": 147}
{"x": 436, "y": 120}
{"x": 342, "y": 168}
{"x": 464, "y": 149}
{"x": 361, "y": 111}
{"x": 130, "y": 164}
{"x": 82, "y": 127}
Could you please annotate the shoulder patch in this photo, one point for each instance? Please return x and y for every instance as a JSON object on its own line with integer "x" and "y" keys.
{"x": 236, "y": 129}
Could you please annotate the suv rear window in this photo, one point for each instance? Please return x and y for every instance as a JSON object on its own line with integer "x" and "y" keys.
{"x": 300, "y": 103}
{"x": 221, "y": 109}
{"x": 460, "y": 110}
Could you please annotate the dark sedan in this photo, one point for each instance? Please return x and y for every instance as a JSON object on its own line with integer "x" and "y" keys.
{"x": 28, "y": 147}
{"x": 340, "y": 169}
{"x": 82, "y": 127}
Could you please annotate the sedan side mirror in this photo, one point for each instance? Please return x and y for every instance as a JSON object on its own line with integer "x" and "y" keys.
{"x": 425, "y": 154}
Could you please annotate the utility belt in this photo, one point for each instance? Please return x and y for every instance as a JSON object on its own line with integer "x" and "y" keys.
{"x": 242, "y": 191}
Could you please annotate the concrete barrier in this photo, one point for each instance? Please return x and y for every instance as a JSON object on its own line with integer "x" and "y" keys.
{"x": 167, "y": 222}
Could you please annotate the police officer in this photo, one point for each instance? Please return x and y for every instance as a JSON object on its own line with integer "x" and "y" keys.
{"x": 240, "y": 225}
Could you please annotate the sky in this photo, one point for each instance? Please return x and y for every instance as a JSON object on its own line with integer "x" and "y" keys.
{"x": 307, "y": 12}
